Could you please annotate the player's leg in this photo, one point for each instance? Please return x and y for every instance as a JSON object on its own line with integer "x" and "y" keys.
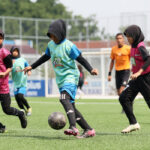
{"x": 19, "y": 102}
{"x": 144, "y": 83}
{"x": 5, "y": 103}
{"x": 118, "y": 80}
{"x": 25, "y": 103}
{"x": 65, "y": 101}
{"x": 88, "y": 131}
{"x": 126, "y": 100}
{"x": 123, "y": 77}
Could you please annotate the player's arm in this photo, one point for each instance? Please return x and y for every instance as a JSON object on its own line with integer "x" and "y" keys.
{"x": 110, "y": 69}
{"x": 146, "y": 57}
{"x": 86, "y": 64}
{"x": 76, "y": 54}
{"x": 40, "y": 61}
{"x": 8, "y": 63}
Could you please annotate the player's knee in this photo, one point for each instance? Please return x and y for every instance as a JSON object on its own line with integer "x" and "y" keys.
{"x": 7, "y": 110}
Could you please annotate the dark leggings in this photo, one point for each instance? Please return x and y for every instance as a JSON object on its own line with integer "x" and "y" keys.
{"x": 142, "y": 85}
{"x": 5, "y": 103}
{"x": 72, "y": 113}
{"x": 21, "y": 101}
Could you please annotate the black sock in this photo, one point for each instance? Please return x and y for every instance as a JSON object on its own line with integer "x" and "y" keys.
{"x": 65, "y": 101}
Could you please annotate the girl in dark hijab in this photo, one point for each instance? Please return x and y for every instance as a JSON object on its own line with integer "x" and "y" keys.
{"x": 140, "y": 78}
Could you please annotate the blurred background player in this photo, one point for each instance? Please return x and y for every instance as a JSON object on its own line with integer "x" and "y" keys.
{"x": 5, "y": 68}
{"x": 120, "y": 55}
{"x": 20, "y": 79}
{"x": 140, "y": 82}
{"x": 63, "y": 54}
{"x": 81, "y": 81}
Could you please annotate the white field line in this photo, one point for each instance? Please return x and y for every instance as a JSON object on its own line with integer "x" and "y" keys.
{"x": 83, "y": 103}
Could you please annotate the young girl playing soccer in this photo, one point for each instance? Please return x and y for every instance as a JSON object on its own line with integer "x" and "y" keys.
{"x": 63, "y": 54}
{"x": 20, "y": 79}
{"x": 5, "y": 68}
{"x": 140, "y": 78}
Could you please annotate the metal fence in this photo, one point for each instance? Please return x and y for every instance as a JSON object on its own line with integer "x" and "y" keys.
{"x": 35, "y": 29}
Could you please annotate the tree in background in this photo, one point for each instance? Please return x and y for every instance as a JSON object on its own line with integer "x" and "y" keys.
{"x": 78, "y": 26}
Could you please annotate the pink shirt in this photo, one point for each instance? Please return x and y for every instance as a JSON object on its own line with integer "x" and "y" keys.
{"x": 137, "y": 60}
{"x": 4, "y": 86}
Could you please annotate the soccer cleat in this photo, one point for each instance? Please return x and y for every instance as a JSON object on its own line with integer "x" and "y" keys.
{"x": 73, "y": 131}
{"x": 29, "y": 112}
{"x": 3, "y": 129}
{"x": 130, "y": 128}
{"x": 87, "y": 133}
{"x": 23, "y": 120}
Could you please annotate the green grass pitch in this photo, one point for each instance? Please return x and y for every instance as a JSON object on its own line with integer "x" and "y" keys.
{"x": 103, "y": 115}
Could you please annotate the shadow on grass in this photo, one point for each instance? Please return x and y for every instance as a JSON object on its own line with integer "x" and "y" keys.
{"x": 117, "y": 134}
{"x": 37, "y": 137}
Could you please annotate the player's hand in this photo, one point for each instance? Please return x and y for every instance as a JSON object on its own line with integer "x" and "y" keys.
{"x": 29, "y": 73}
{"x": 26, "y": 69}
{"x": 109, "y": 78}
{"x": 136, "y": 75}
{"x": 94, "y": 72}
{"x": 2, "y": 74}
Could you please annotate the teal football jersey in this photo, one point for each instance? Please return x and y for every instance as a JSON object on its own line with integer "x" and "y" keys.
{"x": 18, "y": 77}
{"x": 63, "y": 57}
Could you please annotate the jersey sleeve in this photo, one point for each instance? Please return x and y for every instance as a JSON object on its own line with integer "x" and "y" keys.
{"x": 47, "y": 52}
{"x": 26, "y": 64}
{"x": 8, "y": 61}
{"x": 144, "y": 52}
{"x": 75, "y": 52}
{"x": 112, "y": 55}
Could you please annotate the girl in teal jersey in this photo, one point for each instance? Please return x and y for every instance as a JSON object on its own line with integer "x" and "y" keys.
{"x": 20, "y": 80}
{"x": 63, "y": 54}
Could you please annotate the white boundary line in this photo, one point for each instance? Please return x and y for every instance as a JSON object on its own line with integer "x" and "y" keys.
{"x": 81, "y": 103}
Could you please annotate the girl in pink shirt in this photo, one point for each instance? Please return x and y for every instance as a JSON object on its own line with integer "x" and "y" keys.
{"x": 5, "y": 68}
{"x": 140, "y": 78}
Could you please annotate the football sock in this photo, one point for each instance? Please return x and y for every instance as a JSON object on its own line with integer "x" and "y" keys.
{"x": 65, "y": 101}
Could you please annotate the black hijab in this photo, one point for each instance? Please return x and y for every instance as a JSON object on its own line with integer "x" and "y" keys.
{"x": 57, "y": 28}
{"x": 15, "y": 48}
{"x": 135, "y": 32}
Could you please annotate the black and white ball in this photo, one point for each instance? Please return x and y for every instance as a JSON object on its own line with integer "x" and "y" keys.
{"x": 57, "y": 120}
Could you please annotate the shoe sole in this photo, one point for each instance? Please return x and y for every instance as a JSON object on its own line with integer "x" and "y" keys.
{"x": 131, "y": 131}
{"x": 70, "y": 133}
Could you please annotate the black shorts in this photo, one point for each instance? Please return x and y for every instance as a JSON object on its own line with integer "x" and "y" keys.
{"x": 122, "y": 78}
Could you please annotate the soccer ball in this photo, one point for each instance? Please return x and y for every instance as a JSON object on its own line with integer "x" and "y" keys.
{"x": 57, "y": 120}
